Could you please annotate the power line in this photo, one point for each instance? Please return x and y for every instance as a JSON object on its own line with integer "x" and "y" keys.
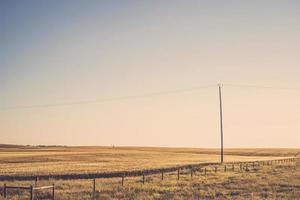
{"x": 107, "y": 99}
{"x": 120, "y": 98}
{"x": 262, "y": 87}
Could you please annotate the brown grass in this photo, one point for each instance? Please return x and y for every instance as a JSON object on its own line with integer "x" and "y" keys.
{"x": 280, "y": 181}
{"x": 64, "y": 160}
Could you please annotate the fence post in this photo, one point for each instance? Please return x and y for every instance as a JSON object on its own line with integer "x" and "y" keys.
{"x": 162, "y": 174}
{"x": 205, "y": 171}
{"x": 191, "y": 172}
{"x": 143, "y": 178}
{"x": 225, "y": 169}
{"x": 178, "y": 173}
{"x": 31, "y": 192}
{"x": 216, "y": 169}
{"x": 4, "y": 191}
{"x": 53, "y": 190}
{"x": 232, "y": 167}
{"x": 94, "y": 187}
{"x": 241, "y": 166}
{"x": 123, "y": 180}
{"x": 36, "y": 181}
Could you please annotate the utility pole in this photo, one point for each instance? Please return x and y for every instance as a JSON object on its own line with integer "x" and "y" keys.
{"x": 221, "y": 121}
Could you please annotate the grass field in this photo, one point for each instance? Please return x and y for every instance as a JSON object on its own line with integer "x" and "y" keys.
{"x": 267, "y": 182}
{"x": 64, "y": 160}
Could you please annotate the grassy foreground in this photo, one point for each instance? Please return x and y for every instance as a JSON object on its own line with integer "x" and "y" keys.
{"x": 281, "y": 181}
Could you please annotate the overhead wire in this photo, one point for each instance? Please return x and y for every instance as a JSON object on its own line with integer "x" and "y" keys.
{"x": 120, "y": 98}
{"x": 161, "y": 93}
{"x": 262, "y": 87}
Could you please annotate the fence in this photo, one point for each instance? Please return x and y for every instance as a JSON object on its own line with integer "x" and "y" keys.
{"x": 31, "y": 190}
{"x": 120, "y": 174}
{"x": 192, "y": 169}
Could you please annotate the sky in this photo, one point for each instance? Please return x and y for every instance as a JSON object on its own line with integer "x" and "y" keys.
{"x": 63, "y": 51}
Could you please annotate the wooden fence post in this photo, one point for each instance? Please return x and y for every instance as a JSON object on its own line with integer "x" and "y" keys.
{"x": 216, "y": 169}
{"x": 31, "y": 192}
{"x": 191, "y": 172}
{"x": 123, "y": 180}
{"x": 162, "y": 174}
{"x": 94, "y": 187}
{"x": 232, "y": 167}
{"x": 4, "y": 191}
{"x": 53, "y": 192}
{"x": 178, "y": 173}
{"x": 36, "y": 181}
{"x": 143, "y": 178}
{"x": 225, "y": 169}
{"x": 205, "y": 171}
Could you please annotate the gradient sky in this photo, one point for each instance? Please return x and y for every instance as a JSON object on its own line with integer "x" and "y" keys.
{"x": 61, "y": 51}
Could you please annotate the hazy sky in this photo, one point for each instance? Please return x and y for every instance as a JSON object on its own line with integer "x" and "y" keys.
{"x": 61, "y": 51}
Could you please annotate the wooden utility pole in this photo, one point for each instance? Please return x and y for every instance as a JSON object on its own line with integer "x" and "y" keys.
{"x": 221, "y": 122}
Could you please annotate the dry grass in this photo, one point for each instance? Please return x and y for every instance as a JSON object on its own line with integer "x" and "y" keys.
{"x": 276, "y": 182}
{"x": 64, "y": 160}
